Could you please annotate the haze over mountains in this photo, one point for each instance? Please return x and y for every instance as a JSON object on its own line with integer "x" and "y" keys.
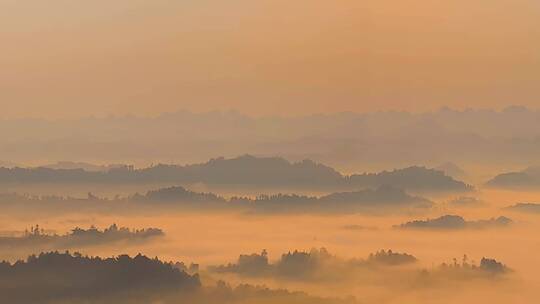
{"x": 384, "y": 267}
{"x": 244, "y": 171}
{"x": 260, "y": 150}
{"x": 55, "y": 277}
{"x": 381, "y": 139}
{"x": 317, "y": 265}
{"x": 68, "y": 165}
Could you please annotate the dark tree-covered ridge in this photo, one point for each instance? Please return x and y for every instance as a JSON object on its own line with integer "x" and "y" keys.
{"x": 37, "y": 237}
{"x": 385, "y": 267}
{"x": 384, "y": 199}
{"x": 314, "y": 264}
{"x": 453, "y": 222}
{"x": 245, "y": 171}
{"x": 55, "y": 275}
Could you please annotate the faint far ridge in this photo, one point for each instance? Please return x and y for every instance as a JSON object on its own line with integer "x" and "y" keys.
{"x": 354, "y": 227}
{"x": 7, "y": 164}
{"x": 348, "y": 139}
{"x": 69, "y": 165}
{"x": 452, "y": 170}
{"x": 466, "y": 202}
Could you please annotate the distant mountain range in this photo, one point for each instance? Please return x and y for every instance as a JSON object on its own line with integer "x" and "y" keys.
{"x": 244, "y": 171}
{"x": 348, "y": 140}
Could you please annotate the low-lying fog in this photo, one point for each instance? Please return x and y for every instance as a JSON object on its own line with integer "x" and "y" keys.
{"x": 219, "y": 238}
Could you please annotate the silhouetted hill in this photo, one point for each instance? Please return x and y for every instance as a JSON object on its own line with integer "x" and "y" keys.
{"x": 451, "y": 222}
{"x": 244, "y": 171}
{"x": 158, "y": 200}
{"x": 264, "y": 171}
{"x": 525, "y": 207}
{"x": 412, "y": 178}
{"x": 180, "y": 195}
{"x": 62, "y": 276}
{"x": 391, "y": 258}
{"x": 53, "y": 277}
{"x": 384, "y": 199}
{"x": 526, "y": 179}
{"x": 466, "y": 270}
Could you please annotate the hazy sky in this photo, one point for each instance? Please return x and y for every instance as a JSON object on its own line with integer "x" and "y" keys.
{"x": 75, "y": 58}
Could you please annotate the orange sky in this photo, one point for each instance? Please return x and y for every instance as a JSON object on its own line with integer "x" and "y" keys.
{"x": 76, "y": 58}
